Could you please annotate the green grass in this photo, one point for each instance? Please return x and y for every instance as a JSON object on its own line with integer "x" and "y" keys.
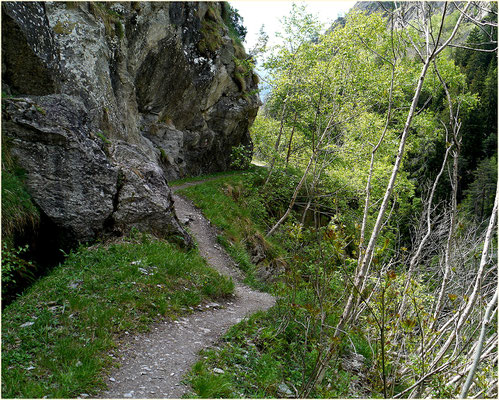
{"x": 83, "y": 309}
{"x": 225, "y": 203}
{"x": 277, "y": 348}
{"x": 221, "y": 174}
{"x": 259, "y": 355}
{"x": 18, "y": 210}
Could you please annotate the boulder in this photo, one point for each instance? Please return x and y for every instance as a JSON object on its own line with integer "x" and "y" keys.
{"x": 68, "y": 173}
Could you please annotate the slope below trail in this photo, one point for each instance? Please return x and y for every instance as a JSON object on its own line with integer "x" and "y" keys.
{"x": 152, "y": 364}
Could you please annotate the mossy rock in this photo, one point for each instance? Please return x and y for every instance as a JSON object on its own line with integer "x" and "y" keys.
{"x": 239, "y": 51}
{"x": 241, "y": 82}
{"x": 211, "y": 15}
{"x": 211, "y": 39}
{"x": 255, "y": 78}
{"x": 63, "y": 28}
{"x": 110, "y": 18}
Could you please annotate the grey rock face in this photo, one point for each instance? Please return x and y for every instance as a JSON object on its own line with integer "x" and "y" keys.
{"x": 133, "y": 94}
{"x": 143, "y": 198}
{"x": 69, "y": 176}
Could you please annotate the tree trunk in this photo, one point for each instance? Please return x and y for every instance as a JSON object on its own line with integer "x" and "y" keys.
{"x": 291, "y": 139}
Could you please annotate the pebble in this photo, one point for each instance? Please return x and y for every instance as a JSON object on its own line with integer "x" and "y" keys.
{"x": 112, "y": 379}
{"x": 218, "y": 371}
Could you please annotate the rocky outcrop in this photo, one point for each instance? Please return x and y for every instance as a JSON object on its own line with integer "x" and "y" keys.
{"x": 69, "y": 176}
{"x": 106, "y": 102}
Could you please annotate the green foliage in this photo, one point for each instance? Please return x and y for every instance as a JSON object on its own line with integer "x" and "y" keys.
{"x": 234, "y": 22}
{"x": 258, "y": 356}
{"x": 276, "y": 347}
{"x": 208, "y": 385}
{"x": 479, "y": 197}
{"x": 356, "y": 83}
{"x": 240, "y": 157}
{"x": 102, "y": 137}
{"x": 14, "y": 268}
{"x": 479, "y": 128}
{"x": 59, "y": 337}
{"x": 18, "y": 211}
{"x": 385, "y": 293}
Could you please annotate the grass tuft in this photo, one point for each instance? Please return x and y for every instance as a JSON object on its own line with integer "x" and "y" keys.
{"x": 18, "y": 210}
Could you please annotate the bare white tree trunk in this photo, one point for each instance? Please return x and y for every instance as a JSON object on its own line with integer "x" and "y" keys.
{"x": 362, "y": 271}
{"x": 478, "y": 351}
{"x": 476, "y": 287}
{"x": 456, "y": 127}
{"x": 422, "y": 243}
{"x": 366, "y": 260}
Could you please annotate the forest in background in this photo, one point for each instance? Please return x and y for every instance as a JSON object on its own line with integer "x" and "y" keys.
{"x": 382, "y": 135}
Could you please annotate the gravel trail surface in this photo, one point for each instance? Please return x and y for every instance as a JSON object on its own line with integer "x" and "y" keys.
{"x": 153, "y": 364}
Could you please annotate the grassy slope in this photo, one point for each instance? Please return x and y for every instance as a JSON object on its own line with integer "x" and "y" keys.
{"x": 223, "y": 204}
{"x": 80, "y": 311}
{"x": 268, "y": 350}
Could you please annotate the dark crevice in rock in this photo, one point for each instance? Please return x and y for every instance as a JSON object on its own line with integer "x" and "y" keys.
{"x": 47, "y": 246}
{"x": 109, "y": 225}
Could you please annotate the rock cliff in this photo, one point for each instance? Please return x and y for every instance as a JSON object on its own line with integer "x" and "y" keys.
{"x": 103, "y": 103}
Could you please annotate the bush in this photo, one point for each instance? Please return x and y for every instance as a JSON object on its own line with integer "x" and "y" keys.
{"x": 240, "y": 157}
{"x": 14, "y": 267}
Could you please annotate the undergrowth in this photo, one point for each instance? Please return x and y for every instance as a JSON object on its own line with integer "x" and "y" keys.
{"x": 231, "y": 205}
{"x": 59, "y": 336}
{"x": 262, "y": 357}
{"x": 273, "y": 353}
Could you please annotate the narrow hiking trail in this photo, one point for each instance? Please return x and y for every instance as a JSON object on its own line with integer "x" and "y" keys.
{"x": 153, "y": 364}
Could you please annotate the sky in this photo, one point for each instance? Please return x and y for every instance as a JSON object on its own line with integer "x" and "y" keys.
{"x": 258, "y": 12}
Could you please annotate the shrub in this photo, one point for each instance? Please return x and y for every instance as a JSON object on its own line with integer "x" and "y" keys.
{"x": 240, "y": 157}
{"x": 14, "y": 267}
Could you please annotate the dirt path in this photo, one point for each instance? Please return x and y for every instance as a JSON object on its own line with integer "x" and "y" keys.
{"x": 152, "y": 364}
